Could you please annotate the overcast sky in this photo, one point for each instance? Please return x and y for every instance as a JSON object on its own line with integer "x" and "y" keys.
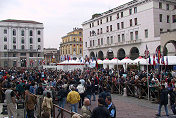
{"x": 58, "y": 16}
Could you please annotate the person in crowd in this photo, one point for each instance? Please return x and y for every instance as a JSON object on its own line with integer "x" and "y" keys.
{"x": 81, "y": 90}
{"x": 30, "y": 102}
{"x": 85, "y": 110}
{"x": 73, "y": 98}
{"x": 39, "y": 90}
{"x": 61, "y": 96}
{"x": 76, "y": 116}
{"x": 111, "y": 107}
{"x": 45, "y": 115}
{"x": 11, "y": 103}
{"x": 104, "y": 94}
{"x": 46, "y": 91}
{"x": 101, "y": 111}
{"x": 93, "y": 89}
{"x": 163, "y": 100}
{"x": 88, "y": 91}
{"x": 47, "y": 104}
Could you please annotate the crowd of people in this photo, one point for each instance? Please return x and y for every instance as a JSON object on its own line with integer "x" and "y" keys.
{"x": 78, "y": 88}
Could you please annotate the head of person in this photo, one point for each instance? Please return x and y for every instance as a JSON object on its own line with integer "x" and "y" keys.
{"x": 86, "y": 102}
{"x": 108, "y": 100}
{"x": 100, "y": 101}
{"x": 45, "y": 115}
{"x": 27, "y": 92}
{"x": 48, "y": 95}
{"x": 162, "y": 86}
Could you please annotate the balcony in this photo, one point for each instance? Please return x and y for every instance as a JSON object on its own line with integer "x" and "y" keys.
{"x": 24, "y": 50}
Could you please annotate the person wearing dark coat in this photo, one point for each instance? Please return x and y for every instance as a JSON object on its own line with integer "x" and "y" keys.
{"x": 101, "y": 111}
{"x": 163, "y": 100}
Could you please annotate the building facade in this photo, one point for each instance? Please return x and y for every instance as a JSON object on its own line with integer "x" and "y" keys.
{"x": 21, "y": 43}
{"x": 127, "y": 29}
{"x": 51, "y": 55}
{"x": 72, "y": 45}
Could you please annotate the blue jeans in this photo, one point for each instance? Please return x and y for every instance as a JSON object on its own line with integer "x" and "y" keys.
{"x": 74, "y": 108}
{"x": 62, "y": 102}
{"x": 94, "y": 98}
{"x": 89, "y": 97}
{"x": 159, "y": 109}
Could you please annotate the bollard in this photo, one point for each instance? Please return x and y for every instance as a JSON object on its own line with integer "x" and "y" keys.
{"x": 125, "y": 92}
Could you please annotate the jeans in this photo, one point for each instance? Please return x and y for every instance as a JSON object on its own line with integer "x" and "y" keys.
{"x": 94, "y": 98}
{"x": 62, "y": 102}
{"x": 173, "y": 108}
{"x": 74, "y": 108}
{"x": 159, "y": 109}
{"x": 30, "y": 113}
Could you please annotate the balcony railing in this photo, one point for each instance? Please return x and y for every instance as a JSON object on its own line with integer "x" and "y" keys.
{"x": 24, "y": 50}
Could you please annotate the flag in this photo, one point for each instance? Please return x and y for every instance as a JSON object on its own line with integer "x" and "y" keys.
{"x": 68, "y": 57}
{"x": 162, "y": 60}
{"x": 146, "y": 52}
{"x": 154, "y": 60}
{"x": 92, "y": 59}
{"x": 166, "y": 60}
{"x": 61, "y": 57}
{"x": 149, "y": 60}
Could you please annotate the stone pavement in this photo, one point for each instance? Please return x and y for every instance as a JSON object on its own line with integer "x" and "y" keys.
{"x": 128, "y": 107}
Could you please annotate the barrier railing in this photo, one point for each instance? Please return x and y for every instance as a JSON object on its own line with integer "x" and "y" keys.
{"x": 59, "y": 112}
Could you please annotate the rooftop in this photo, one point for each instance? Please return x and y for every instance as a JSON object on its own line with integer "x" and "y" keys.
{"x": 21, "y": 21}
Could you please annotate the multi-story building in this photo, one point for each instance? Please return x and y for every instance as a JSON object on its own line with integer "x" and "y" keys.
{"x": 72, "y": 45}
{"x": 128, "y": 28}
{"x": 51, "y": 55}
{"x": 21, "y": 43}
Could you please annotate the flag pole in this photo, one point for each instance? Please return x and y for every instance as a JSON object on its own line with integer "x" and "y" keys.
{"x": 148, "y": 83}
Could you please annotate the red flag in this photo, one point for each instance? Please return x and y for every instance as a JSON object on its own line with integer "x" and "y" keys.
{"x": 154, "y": 60}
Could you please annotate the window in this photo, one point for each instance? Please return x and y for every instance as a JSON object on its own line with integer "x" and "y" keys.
{"x": 22, "y": 47}
{"x": 98, "y": 41}
{"x": 30, "y": 33}
{"x": 14, "y": 63}
{"x": 130, "y": 11}
{"x": 80, "y": 51}
{"x": 110, "y": 18}
{"x": 14, "y": 55}
{"x": 118, "y": 26}
{"x": 86, "y": 44}
{"x": 31, "y": 54}
{"x": 90, "y": 43}
{"x": 160, "y": 17}
{"x": 5, "y": 54}
{"x": 101, "y": 30}
{"x": 74, "y": 39}
{"x": 97, "y": 31}
{"x": 135, "y": 9}
{"x": 174, "y": 6}
{"x": 14, "y": 32}
{"x": 118, "y": 38}
{"x": 80, "y": 39}
{"x": 39, "y": 40}
{"x": 22, "y": 32}
{"x": 93, "y": 24}
{"x": 38, "y": 32}
{"x": 31, "y": 40}
{"x": 121, "y": 14}
{"x": 135, "y": 21}
{"x": 131, "y": 22}
{"x": 160, "y": 5}
{"x": 5, "y": 47}
{"x": 122, "y": 25}
{"x": 93, "y": 43}
{"x": 22, "y": 40}
{"x": 90, "y": 25}
{"x": 107, "y": 28}
{"x": 131, "y": 36}
{"x": 168, "y": 19}
{"x": 39, "y": 47}
{"x": 101, "y": 41}
{"x": 106, "y": 19}
{"x": 14, "y": 47}
{"x": 14, "y": 40}
{"x": 101, "y": 21}
{"x": 5, "y": 39}
{"x": 107, "y": 40}
{"x": 90, "y": 33}
{"x": 5, "y": 31}
{"x": 117, "y": 15}
{"x": 146, "y": 33}
{"x": 97, "y": 22}
{"x": 161, "y": 30}
{"x": 136, "y": 35}
{"x": 110, "y": 27}
{"x": 123, "y": 37}
{"x": 23, "y": 54}
{"x": 167, "y": 7}
{"x": 31, "y": 47}
{"x": 174, "y": 18}
{"x": 111, "y": 39}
